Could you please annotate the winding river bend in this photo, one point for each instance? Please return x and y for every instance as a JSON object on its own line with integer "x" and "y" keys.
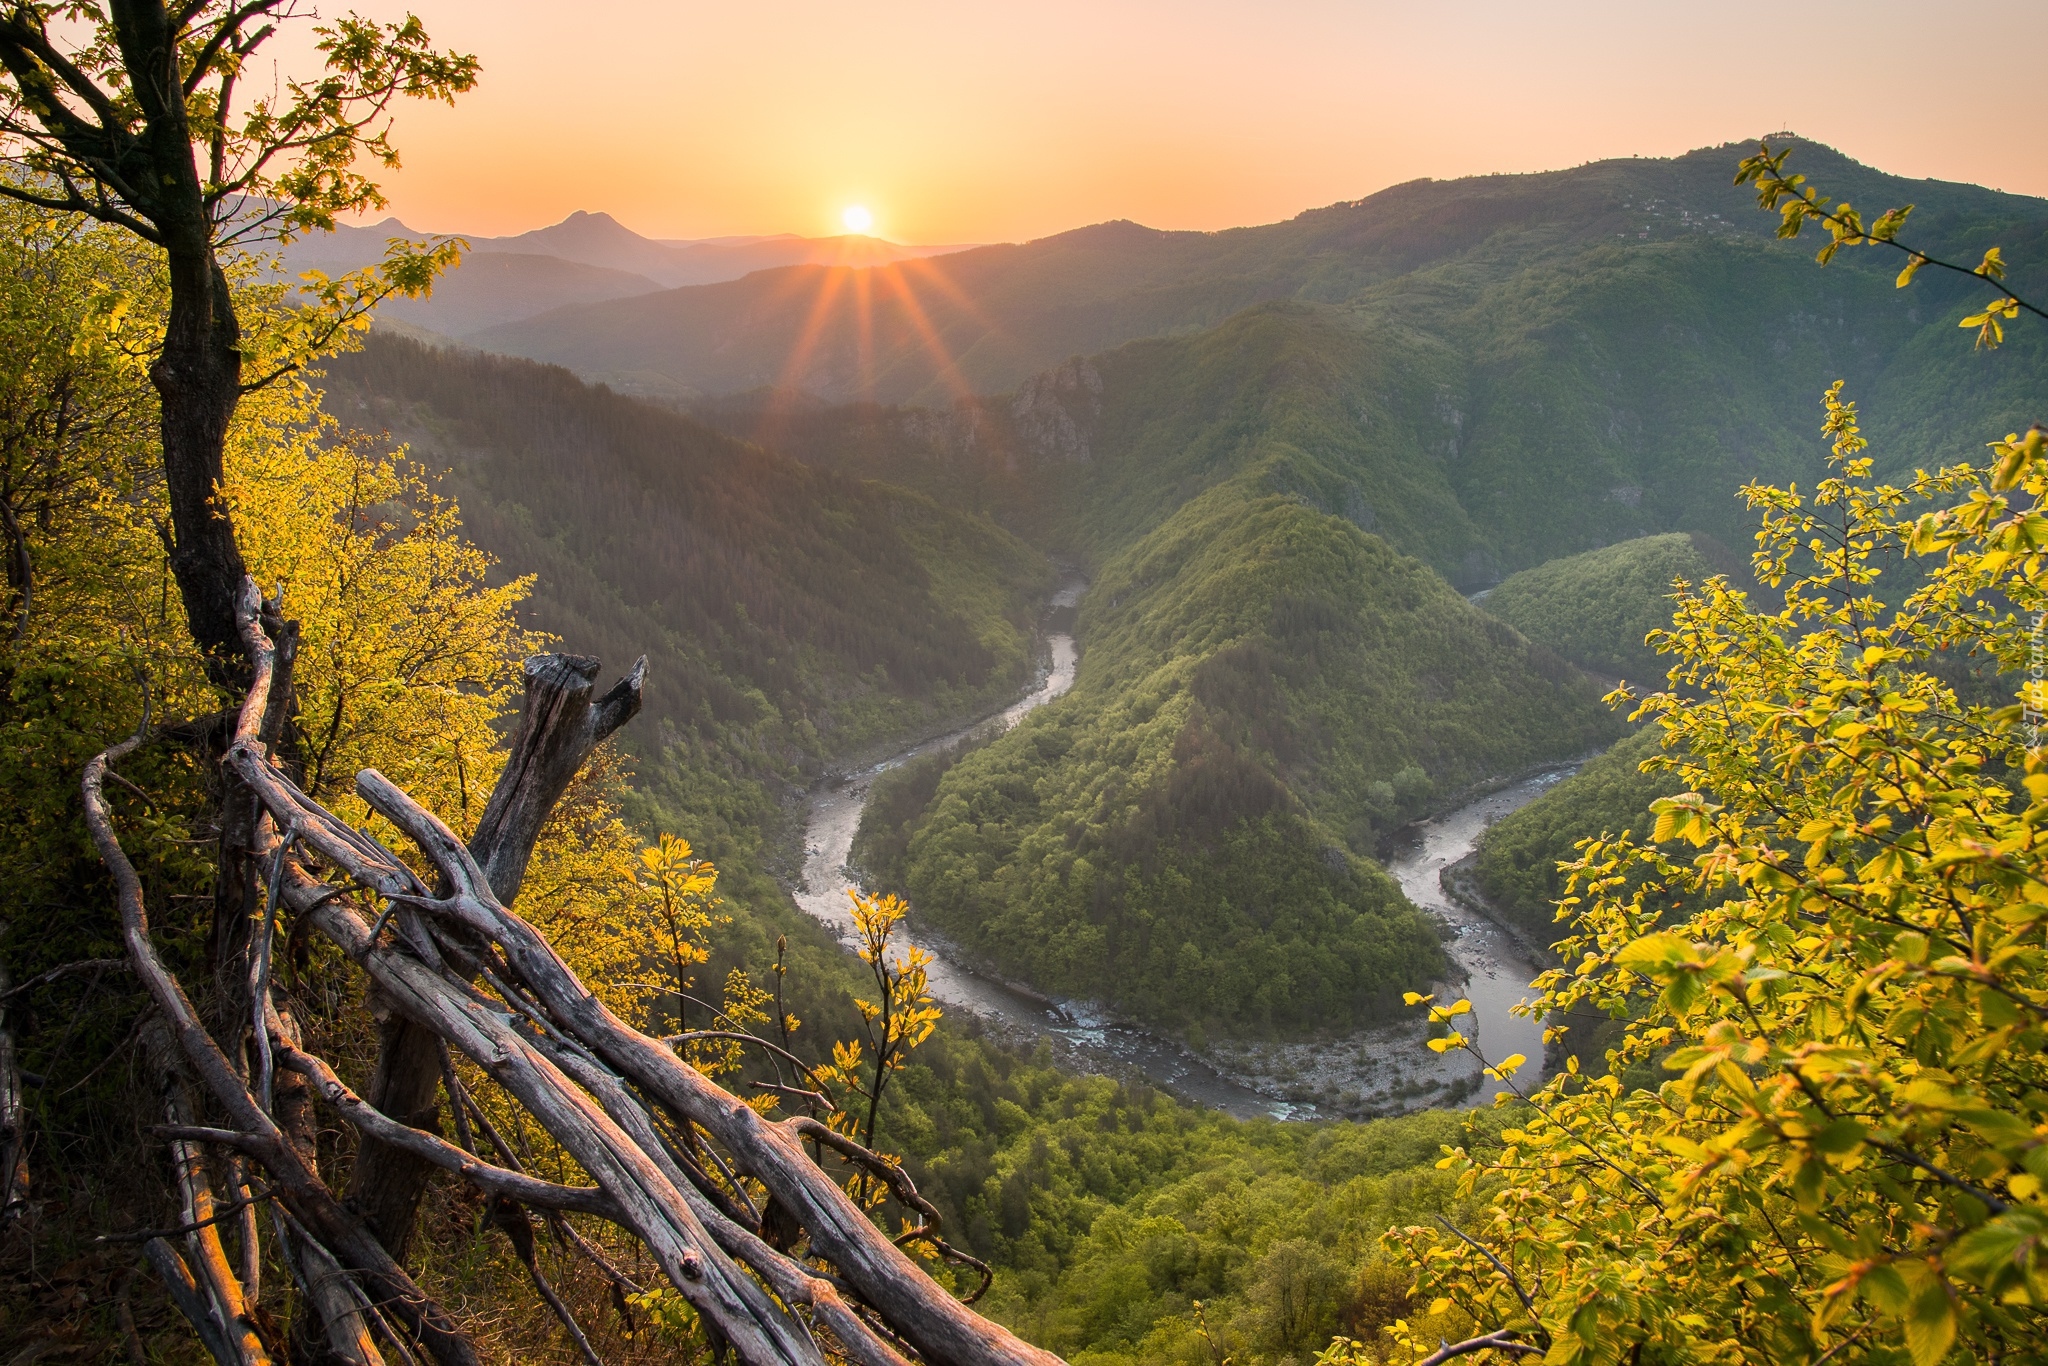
{"x": 1089, "y": 1036}
{"x": 1500, "y": 972}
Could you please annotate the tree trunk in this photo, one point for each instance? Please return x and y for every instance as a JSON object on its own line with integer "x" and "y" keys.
{"x": 561, "y": 725}
{"x": 13, "y": 1115}
{"x": 198, "y": 379}
{"x": 198, "y": 375}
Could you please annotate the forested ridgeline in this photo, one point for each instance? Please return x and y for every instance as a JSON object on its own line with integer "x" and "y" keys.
{"x": 1265, "y": 691}
{"x": 983, "y": 321}
{"x": 1598, "y": 608}
{"x": 1485, "y": 419}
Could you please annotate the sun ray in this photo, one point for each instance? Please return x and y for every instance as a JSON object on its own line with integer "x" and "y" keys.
{"x": 930, "y": 269}
{"x": 914, "y": 314}
{"x": 830, "y": 278}
{"x": 864, "y": 332}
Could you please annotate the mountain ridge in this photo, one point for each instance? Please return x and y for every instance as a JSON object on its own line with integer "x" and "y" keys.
{"x": 985, "y": 319}
{"x": 588, "y": 257}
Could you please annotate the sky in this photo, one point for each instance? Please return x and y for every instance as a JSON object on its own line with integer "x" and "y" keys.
{"x": 983, "y": 122}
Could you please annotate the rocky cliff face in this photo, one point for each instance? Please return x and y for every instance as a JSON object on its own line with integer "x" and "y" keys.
{"x": 1055, "y": 412}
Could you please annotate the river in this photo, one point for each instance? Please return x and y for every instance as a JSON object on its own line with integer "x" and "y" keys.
{"x": 1373, "y": 1071}
{"x": 1500, "y": 972}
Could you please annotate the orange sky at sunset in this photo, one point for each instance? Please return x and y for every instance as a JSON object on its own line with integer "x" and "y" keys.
{"x": 980, "y": 122}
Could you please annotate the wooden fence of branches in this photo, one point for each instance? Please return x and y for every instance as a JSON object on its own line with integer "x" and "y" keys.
{"x": 780, "y": 1262}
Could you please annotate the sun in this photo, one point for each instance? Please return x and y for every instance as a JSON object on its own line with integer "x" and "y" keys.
{"x": 857, "y": 218}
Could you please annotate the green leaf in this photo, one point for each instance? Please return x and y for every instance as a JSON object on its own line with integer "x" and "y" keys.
{"x": 1994, "y": 1250}
{"x": 1645, "y": 955}
{"x": 1884, "y": 1287}
{"x": 1840, "y": 1138}
{"x": 1999, "y": 1129}
{"x": 1931, "y": 1325}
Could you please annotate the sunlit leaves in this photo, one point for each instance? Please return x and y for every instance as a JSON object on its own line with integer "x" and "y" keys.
{"x": 901, "y": 1016}
{"x": 1990, "y": 330}
{"x": 1849, "y": 1154}
{"x": 287, "y": 155}
{"x": 1798, "y": 203}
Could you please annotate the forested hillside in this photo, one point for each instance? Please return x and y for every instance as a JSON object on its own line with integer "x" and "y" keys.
{"x": 1597, "y": 608}
{"x": 789, "y": 613}
{"x": 1111, "y": 1211}
{"x": 1189, "y": 833}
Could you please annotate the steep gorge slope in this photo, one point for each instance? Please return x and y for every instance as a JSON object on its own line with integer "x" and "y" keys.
{"x": 1188, "y": 834}
{"x": 790, "y": 614}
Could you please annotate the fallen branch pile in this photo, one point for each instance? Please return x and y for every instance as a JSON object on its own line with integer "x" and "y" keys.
{"x": 777, "y": 1259}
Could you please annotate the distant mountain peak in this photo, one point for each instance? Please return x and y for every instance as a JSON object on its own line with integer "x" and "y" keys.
{"x": 583, "y": 226}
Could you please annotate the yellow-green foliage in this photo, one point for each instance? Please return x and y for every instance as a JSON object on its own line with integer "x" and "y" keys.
{"x": 408, "y": 657}
{"x": 1850, "y": 1156}
{"x": 1598, "y": 608}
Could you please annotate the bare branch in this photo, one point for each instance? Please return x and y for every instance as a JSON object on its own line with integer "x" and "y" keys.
{"x": 66, "y": 969}
{"x": 1514, "y": 1281}
{"x": 527, "y": 1190}
{"x": 1499, "y": 1340}
{"x": 300, "y": 1187}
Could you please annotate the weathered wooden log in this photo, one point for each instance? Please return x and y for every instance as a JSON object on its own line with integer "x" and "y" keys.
{"x": 596, "y": 1085}
{"x": 220, "y": 1290}
{"x": 190, "y": 1299}
{"x": 527, "y": 1190}
{"x": 294, "y": 1180}
{"x": 790, "y": 1281}
{"x": 648, "y": 1201}
{"x": 940, "y": 1327}
{"x": 344, "y": 1326}
{"x": 560, "y": 725}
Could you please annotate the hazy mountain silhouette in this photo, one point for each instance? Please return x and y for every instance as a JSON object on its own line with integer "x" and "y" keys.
{"x": 986, "y": 319}
{"x": 585, "y": 258}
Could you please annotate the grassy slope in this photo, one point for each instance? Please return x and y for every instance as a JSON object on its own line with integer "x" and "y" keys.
{"x": 1596, "y": 608}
